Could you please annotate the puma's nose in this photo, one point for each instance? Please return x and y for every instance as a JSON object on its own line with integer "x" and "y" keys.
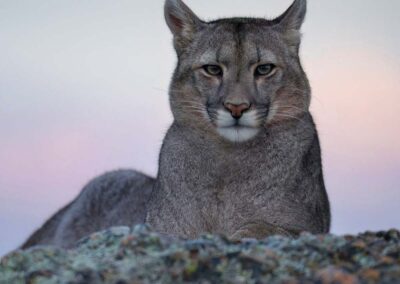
{"x": 236, "y": 110}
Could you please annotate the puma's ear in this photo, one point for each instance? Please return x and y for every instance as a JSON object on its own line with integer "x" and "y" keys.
{"x": 294, "y": 16}
{"x": 290, "y": 22}
{"x": 182, "y": 22}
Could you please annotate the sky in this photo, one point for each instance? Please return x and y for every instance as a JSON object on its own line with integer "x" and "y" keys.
{"x": 83, "y": 90}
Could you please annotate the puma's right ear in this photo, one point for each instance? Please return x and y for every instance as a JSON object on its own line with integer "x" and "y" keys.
{"x": 182, "y": 22}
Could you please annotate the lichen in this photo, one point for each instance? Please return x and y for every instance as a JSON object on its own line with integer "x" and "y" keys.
{"x": 138, "y": 255}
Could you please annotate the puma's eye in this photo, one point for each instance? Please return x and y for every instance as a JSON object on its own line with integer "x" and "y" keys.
{"x": 264, "y": 70}
{"x": 213, "y": 70}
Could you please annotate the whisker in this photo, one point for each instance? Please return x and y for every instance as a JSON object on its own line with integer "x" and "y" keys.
{"x": 288, "y": 116}
{"x": 190, "y": 101}
{"x": 194, "y": 108}
{"x": 278, "y": 109}
{"x": 291, "y": 106}
{"x": 159, "y": 89}
{"x": 192, "y": 104}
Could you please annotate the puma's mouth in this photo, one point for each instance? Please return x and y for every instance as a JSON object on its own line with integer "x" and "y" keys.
{"x": 238, "y": 133}
{"x": 238, "y": 129}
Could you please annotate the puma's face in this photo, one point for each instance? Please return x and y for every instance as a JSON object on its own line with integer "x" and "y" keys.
{"x": 237, "y": 76}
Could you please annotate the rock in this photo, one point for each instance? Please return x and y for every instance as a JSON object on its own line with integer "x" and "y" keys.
{"x": 138, "y": 255}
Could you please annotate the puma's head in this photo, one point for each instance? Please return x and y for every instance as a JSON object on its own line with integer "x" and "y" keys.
{"x": 236, "y": 76}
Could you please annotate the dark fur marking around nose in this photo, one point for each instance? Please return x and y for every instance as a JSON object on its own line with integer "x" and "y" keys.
{"x": 236, "y": 110}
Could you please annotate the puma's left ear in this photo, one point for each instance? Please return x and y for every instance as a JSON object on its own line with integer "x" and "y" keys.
{"x": 294, "y": 16}
{"x": 290, "y": 22}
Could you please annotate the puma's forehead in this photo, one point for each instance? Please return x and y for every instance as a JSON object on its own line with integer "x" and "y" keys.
{"x": 229, "y": 42}
{"x": 247, "y": 53}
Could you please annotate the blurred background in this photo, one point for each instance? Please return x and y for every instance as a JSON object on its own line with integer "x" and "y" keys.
{"x": 83, "y": 90}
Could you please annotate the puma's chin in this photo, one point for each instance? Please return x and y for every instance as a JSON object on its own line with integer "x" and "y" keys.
{"x": 238, "y": 133}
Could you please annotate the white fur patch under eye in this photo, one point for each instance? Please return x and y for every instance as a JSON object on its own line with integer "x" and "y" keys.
{"x": 273, "y": 110}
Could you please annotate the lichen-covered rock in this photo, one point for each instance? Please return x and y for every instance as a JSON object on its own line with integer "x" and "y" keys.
{"x": 121, "y": 255}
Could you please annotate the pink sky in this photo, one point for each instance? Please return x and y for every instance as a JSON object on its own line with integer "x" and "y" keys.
{"x": 83, "y": 90}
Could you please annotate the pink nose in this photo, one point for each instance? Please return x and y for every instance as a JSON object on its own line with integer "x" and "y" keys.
{"x": 237, "y": 110}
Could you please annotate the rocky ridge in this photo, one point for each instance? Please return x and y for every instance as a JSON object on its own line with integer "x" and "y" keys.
{"x": 138, "y": 255}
